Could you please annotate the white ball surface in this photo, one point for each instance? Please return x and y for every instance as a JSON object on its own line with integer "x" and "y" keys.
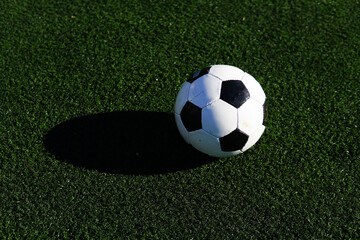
{"x": 219, "y": 118}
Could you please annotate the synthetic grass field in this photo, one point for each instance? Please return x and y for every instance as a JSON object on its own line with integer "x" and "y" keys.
{"x": 88, "y": 143}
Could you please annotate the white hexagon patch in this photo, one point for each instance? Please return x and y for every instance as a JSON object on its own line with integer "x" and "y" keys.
{"x": 219, "y": 118}
{"x": 204, "y": 90}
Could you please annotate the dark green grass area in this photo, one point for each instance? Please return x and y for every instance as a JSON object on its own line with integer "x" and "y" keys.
{"x": 87, "y": 65}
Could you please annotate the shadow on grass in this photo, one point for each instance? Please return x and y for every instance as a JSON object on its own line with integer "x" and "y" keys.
{"x": 131, "y": 142}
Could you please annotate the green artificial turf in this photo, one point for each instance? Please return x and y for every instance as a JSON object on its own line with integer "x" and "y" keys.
{"x": 93, "y": 66}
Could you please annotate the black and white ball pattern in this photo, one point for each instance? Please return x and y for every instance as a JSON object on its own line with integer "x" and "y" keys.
{"x": 221, "y": 110}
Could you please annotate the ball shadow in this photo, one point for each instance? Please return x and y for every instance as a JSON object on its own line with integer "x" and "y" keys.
{"x": 129, "y": 142}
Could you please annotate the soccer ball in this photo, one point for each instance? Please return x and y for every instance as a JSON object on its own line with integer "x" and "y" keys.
{"x": 221, "y": 110}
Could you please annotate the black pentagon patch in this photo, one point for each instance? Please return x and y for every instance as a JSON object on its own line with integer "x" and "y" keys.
{"x": 202, "y": 72}
{"x": 234, "y": 92}
{"x": 266, "y": 113}
{"x": 234, "y": 141}
{"x": 191, "y": 116}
